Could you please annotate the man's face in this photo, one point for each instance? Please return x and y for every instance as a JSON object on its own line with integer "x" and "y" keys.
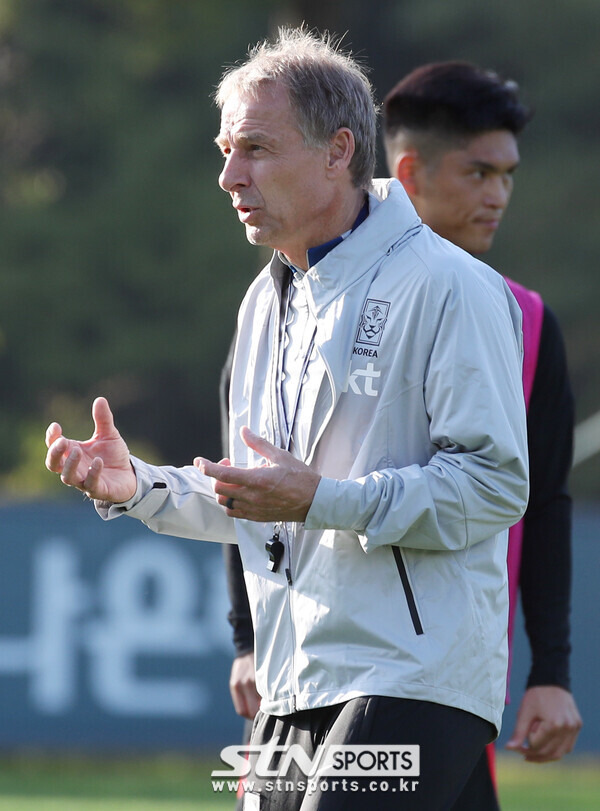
{"x": 278, "y": 185}
{"x": 463, "y": 196}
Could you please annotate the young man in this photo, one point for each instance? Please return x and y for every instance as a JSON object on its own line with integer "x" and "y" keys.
{"x": 377, "y": 441}
{"x": 450, "y": 133}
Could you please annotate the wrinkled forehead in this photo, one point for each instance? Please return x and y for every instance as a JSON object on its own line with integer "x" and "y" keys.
{"x": 253, "y": 88}
{"x": 269, "y": 108}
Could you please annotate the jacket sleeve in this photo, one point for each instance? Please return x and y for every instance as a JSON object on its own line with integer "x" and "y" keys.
{"x": 474, "y": 484}
{"x": 174, "y": 501}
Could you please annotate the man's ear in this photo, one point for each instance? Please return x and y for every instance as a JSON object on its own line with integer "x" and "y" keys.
{"x": 405, "y": 169}
{"x": 341, "y": 150}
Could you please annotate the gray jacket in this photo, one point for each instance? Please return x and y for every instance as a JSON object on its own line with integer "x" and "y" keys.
{"x": 396, "y": 584}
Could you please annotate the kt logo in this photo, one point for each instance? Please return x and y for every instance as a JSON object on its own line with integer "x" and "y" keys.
{"x": 366, "y": 377}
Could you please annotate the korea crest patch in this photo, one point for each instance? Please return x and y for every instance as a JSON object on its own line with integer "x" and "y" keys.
{"x": 372, "y": 322}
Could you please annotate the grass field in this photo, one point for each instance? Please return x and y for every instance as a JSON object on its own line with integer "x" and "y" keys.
{"x": 572, "y": 785}
{"x": 183, "y": 784}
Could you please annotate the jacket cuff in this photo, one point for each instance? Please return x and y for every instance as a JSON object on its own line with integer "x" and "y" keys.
{"x": 151, "y": 492}
{"x": 321, "y": 512}
{"x": 341, "y": 504}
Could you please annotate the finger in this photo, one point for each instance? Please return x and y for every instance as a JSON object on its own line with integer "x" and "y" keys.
{"x": 551, "y": 743}
{"x": 245, "y": 698}
{"x": 546, "y": 755}
{"x": 252, "y": 702}
{"x": 260, "y": 445}
{"x": 543, "y": 746}
{"x": 239, "y": 703}
{"x": 70, "y": 472}
{"x": 198, "y": 460}
{"x": 517, "y": 739}
{"x": 232, "y": 501}
{"x": 226, "y": 473}
{"x": 567, "y": 744}
{"x": 53, "y": 432}
{"x": 91, "y": 482}
{"x": 104, "y": 423}
{"x": 55, "y": 455}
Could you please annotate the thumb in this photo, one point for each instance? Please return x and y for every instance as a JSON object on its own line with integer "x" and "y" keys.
{"x": 520, "y": 732}
{"x": 260, "y": 445}
{"x": 104, "y": 423}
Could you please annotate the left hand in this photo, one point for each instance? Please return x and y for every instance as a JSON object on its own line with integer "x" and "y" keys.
{"x": 280, "y": 490}
{"x": 547, "y": 726}
{"x": 242, "y": 686}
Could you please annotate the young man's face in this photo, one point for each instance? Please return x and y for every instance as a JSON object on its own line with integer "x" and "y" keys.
{"x": 278, "y": 184}
{"x": 464, "y": 194}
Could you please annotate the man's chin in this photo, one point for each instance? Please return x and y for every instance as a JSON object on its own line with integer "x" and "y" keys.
{"x": 478, "y": 246}
{"x": 256, "y": 236}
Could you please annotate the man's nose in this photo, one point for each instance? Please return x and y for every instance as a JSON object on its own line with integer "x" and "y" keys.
{"x": 498, "y": 191}
{"x": 233, "y": 174}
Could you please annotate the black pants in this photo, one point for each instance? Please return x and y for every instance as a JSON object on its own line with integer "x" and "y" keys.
{"x": 450, "y": 740}
{"x": 479, "y": 792}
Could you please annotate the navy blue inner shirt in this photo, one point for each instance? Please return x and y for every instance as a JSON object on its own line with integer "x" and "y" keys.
{"x": 315, "y": 255}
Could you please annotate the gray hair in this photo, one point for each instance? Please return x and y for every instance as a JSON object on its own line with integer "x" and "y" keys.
{"x": 328, "y": 89}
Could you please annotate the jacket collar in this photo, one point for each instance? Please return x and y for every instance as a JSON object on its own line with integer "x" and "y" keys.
{"x": 392, "y": 219}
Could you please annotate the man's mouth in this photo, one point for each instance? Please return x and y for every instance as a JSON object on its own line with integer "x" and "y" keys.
{"x": 245, "y": 212}
{"x": 492, "y": 223}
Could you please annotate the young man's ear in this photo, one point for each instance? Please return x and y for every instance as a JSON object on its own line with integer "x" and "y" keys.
{"x": 405, "y": 167}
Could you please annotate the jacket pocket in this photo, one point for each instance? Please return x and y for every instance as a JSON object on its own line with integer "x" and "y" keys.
{"x": 410, "y": 597}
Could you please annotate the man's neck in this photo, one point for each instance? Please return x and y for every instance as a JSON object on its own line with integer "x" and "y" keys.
{"x": 345, "y": 221}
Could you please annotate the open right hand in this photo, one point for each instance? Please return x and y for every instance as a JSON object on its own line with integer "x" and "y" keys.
{"x": 100, "y": 467}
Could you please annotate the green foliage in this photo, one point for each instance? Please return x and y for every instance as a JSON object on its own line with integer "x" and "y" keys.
{"x": 113, "y": 228}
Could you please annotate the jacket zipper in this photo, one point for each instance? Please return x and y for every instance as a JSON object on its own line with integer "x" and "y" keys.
{"x": 410, "y": 597}
{"x": 288, "y": 576}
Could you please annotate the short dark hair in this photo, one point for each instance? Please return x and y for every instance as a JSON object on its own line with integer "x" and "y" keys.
{"x": 452, "y": 101}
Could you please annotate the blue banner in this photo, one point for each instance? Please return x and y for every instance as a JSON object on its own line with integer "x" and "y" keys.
{"x": 110, "y": 636}
{"x": 114, "y": 638}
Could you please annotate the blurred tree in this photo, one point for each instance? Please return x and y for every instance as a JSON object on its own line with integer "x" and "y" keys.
{"x": 113, "y": 226}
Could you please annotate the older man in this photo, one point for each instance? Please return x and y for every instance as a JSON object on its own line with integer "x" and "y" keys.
{"x": 377, "y": 449}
